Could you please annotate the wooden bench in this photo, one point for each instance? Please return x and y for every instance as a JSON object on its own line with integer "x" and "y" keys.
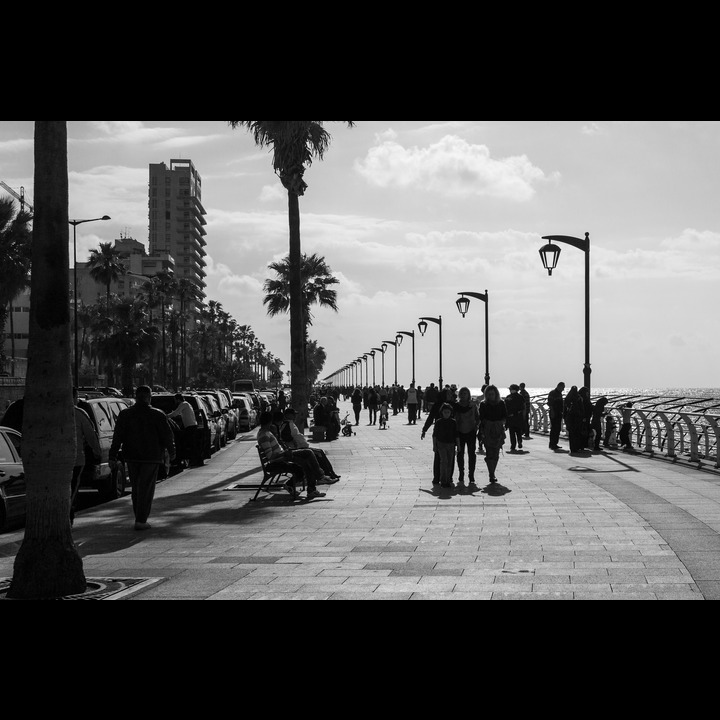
{"x": 271, "y": 478}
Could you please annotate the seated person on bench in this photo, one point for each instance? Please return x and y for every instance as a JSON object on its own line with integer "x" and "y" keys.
{"x": 302, "y": 459}
{"x": 293, "y": 439}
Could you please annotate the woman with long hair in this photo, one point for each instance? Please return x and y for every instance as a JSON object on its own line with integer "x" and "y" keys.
{"x": 357, "y": 402}
{"x": 492, "y": 428}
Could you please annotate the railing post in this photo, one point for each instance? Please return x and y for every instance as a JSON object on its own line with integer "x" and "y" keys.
{"x": 716, "y": 429}
{"x": 669, "y": 434}
{"x": 692, "y": 432}
{"x": 648, "y": 431}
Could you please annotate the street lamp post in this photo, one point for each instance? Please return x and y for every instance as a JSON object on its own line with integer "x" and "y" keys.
{"x": 463, "y": 305}
{"x": 382, "y": 350}
{"x": 372, "y": 355}
{"x": 367, "y": 372}
{"x": 409, "y": 333}
{"x": 550, "y": 254}
{"x": 423, "y": 326}
{"x": 75, "y": 223}
{"x": 359, "y": 362}
{"x": 394, "y": 344}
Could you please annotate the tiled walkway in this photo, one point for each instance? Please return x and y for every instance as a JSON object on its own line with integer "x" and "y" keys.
{"x": 609, "y": 526}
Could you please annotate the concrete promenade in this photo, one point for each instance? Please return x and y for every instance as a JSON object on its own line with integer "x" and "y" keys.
{"x": 556, "y": 527}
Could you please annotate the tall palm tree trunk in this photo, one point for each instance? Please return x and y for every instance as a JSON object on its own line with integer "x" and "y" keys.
{"x": 47, "y": 564}
{"x": 297, "y": 322}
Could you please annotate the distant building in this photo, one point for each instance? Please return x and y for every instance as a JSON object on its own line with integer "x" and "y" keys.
{"x": 177, "y": 220}
{"x": 139, "y": 266}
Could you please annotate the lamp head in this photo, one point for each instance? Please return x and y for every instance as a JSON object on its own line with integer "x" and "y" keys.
{"x": 398, "y": 339}
{"x": 422, "y": 327}
{"x": 463, "y": 305}
{"x": 550, "y": 254}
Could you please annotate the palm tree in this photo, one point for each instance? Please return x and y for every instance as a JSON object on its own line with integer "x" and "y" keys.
{"x": 105, "y": 267}
{"x": 150, "y": 291}
{"x": 15, "y": 255}
{"x": 187, "y": 294}
{"x": 48, "y": 564}
{"x": 132, "y": 338}
{"x": 317, "y": 282}
{"x": 295, "y": 144}
{"x": 166, "y": 287}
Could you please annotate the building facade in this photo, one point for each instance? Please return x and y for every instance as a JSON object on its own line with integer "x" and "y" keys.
{"x": 177, "y": 221}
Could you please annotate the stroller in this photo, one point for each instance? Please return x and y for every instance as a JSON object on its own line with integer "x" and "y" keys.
{"x": 347, "y": 430}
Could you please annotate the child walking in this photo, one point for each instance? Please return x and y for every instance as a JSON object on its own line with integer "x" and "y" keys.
{"x": 445, "y": 443}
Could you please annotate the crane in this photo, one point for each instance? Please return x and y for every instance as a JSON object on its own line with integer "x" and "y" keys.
{"x": 20, "y": 197}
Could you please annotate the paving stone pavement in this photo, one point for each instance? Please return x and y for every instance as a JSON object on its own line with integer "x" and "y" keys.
{"x": 612, "y": 526}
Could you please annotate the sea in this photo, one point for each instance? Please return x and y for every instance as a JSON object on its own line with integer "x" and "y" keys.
{"x": 699, "y": 400}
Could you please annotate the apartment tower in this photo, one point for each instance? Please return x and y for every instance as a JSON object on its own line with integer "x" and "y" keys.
{"x": 177, "y": 221}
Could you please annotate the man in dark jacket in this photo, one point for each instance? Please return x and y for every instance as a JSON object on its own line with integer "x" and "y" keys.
{"x": 555, "y": 403}
{"x": 142, "y": 433}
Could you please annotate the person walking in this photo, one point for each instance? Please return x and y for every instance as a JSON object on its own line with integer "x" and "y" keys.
{"x": 555, "y": 409}
{"x": 412, "y": 404}
{"x": 445, "y": 443}
{"x": 432, "y": 417}
{"x": 573, "y": 413}
{"x": 493, "y": 414}
{"x": 372, "y": 405}
{"x": 431, "y": 397}
{"x": 85, "y": 436}
{"x": 627, "y": 413}
{"x": 526, "y": 411}
{"x": 143, "y": 434}
{"x": 420, "y": 402}
{"x": 357, "y": 401}
{"x": 468, "y": 419}
{"x": 515, "y": 422}
{"x": 598, "y": 414}
{"x": 184, "y": 412}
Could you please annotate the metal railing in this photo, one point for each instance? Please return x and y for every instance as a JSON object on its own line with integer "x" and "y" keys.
{"x": 676, "y": 435}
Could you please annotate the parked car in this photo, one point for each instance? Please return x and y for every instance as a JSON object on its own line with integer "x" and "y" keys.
{"x": 215, "y": 412}
{"x": 103, "y": 412}
{"x": 228, "y": 411}
{"x": 248, "y": 416}
{"x": 243, "y": 385}
{"x": 207, "y": 427}
{"x": 228, "y": 394}
{"x": 12, "y": 479}
{"x": 269, "y": 396}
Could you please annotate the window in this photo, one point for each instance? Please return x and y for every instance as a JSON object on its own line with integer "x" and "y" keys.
{"x": 103, "y": 418}
{"x": 6, "y": 454}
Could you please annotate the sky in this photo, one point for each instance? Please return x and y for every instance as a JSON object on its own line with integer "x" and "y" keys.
{"x": 410, "y": 213}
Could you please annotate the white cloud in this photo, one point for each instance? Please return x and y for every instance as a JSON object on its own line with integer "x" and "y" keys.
{"x": 273, "y": 193}
{"x": 450, "y": 167}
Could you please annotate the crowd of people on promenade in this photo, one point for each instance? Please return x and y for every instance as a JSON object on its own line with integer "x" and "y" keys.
{"x": 463, "y": 427}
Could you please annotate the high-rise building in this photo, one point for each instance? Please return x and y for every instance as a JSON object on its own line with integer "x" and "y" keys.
{"x": 177, "y": 220}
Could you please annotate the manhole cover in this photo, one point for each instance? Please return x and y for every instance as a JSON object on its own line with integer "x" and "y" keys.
{"x": 99, "y": 588}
